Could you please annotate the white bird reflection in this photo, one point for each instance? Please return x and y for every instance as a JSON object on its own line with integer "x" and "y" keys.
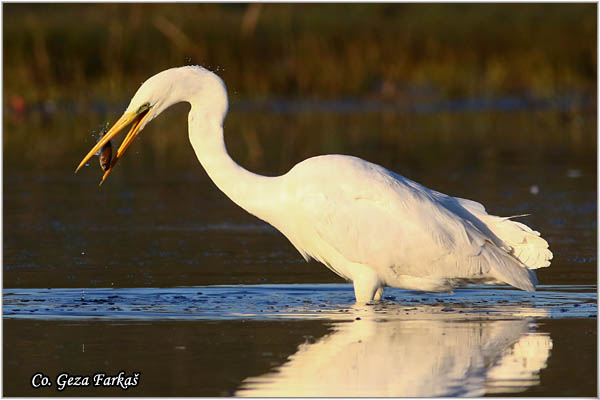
{"x": 415, "y": 354}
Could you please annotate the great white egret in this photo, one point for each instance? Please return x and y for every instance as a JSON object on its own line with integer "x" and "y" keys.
{"x": 367, "y": 224}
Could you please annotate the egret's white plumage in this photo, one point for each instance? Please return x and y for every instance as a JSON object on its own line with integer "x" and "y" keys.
{"x": 368, "y": 224}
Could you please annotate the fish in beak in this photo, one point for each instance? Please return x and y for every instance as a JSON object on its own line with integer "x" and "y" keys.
{"x": 134, "y": 118}
{"x": 105, "y": 155}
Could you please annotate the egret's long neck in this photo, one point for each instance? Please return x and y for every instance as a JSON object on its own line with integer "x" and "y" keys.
{"x": 254, "y": 193}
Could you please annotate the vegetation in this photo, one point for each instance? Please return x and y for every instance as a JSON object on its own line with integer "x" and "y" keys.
{"x": 89, "y": 51}
{"x": 68, "y": 68}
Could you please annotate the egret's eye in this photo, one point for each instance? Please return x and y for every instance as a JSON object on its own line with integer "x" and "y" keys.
{"x": 143, "y": 108}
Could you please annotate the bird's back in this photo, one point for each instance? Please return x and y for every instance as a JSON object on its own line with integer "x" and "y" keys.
{"x": 344, "y": 211}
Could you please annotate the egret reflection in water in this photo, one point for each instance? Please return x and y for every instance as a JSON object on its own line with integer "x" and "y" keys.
{"x": 408, "y": 357}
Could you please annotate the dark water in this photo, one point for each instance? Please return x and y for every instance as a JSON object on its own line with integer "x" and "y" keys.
{"x": 304, "y": 340}
{"x": 123, "y": 277}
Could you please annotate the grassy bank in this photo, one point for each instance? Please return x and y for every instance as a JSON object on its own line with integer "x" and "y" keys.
{"x": 85, "y": 51}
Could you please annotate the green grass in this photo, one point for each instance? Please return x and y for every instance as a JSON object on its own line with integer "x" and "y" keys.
{"x": 89, "y": 51}
{"x": 400, "y": 53}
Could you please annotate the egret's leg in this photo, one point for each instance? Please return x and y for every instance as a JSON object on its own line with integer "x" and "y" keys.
{"x": 366, "y": 284}
{"x": 378, "y": 294}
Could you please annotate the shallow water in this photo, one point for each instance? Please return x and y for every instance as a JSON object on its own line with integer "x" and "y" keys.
{"x": 295, "y": 301}
{"x": 179, "y": 231}
{"x": 304, "y": 340}
{"x": 158, "y": 272}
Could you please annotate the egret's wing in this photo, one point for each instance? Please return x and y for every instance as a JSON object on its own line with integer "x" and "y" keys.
{"x": 374, "y": 217}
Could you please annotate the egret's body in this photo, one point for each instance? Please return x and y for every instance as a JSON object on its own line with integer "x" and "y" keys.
{"x": 367, "y": 224}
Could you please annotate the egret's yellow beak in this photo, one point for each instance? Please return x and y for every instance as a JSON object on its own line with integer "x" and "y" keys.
{"x": 126, "y": 119}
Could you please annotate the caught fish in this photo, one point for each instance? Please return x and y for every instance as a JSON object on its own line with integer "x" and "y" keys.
{"x": 105, "y": 154}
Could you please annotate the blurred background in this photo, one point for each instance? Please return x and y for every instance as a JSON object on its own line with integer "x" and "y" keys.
{"x": 492, "y": 102}
{"x": 82, "y": 52}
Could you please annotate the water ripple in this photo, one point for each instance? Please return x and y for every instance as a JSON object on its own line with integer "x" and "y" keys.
{"x": 296, "y": 301}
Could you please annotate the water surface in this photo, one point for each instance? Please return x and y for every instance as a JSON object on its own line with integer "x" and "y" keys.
{"x": 295, "y": 301}
{"x": 304, "y": 340}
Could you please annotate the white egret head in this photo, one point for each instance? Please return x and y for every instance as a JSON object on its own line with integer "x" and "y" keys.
{"x": 194, "y": 84}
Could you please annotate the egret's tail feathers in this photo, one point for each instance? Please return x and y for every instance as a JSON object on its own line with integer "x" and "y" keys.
{"x": 506, "y": 268}
{"x": 526, "y": 244}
